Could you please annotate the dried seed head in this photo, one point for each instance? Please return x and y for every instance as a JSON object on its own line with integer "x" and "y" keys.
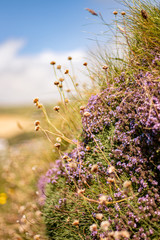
{"x": 77, "y": 84}
{"x": 125, "y": 234}
{"x": 123, "y": 13}
{"x": 58, "y": 139}
{"x": 37, "y": 122}
{"x": 68, "y": 90}
{"x": 58, "y": 66}
{"x": 82, "y": 107}
{"x": 39, "y": 105}
{"x": 35, "y": 100}
{"x": 99, "y": 216}
{"x": 21, "y": 209}
{"x": 94, "y": 168}
{"x": 65, "y": 157}
{"x": 92, "y": 11}
{"x": 61, "y": 79}
{"x": 80, "y": 191}
{"x": 111, "y": 169}
{"x": 56, "y": 108}
{"x": 53, "y": 63}
{"x": 60, "y": 85}
{"x": 66, "y": 100}
{"x": 110, "y": 180}
{"x": 117, "y": 235}
{"x": 93, "y": 227}
{"x": 105, "y": 225}
{"x": 105, "y": 67}
{"x": 36, "y": 237}
{"x": 115, "y": 12}
{"x": 56, "y": 83}
{"x": 36, "y": 128}
{"x": 127, "y": 184}
{"x": 57, "y": 145}
{"x": 75, "y": 222}
{"x": 69, "y": 58}
{"x": 88, "y": 148}
{"x": 87, "y": 114}
{"x": 85, "y": 64}
{"x": 144, "y": 14}
{"x": 66, "y": 72}
{"x": 72, "y": 165}
{"x": 102, "y": 199}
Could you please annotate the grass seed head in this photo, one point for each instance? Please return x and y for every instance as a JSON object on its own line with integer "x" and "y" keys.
{"x": 93, "y": 227}
{"x": 105, "y": 67}
{"x": 123, "y": 13}
{"x": 85, "y": 64}
{"x": 61, "y": 79}
{"x": 75, "y": 223}
{"x": 56, "y": 83}
{"x": 66, "y": 72}
{"x": 37, "y": 122}
{"x": 127, "y": 184}
{"x": 105, "y": 225}
{"x": 59, "y": 67}
{"x": 36, "y": 128}
{"x": 115, "y": 13}
{"x": 35, "y": 100}
{"x": 69, "y": 58}
{"x": 53, "y": 63}
{"x": 92, "y": 11}
{"x": 87, "y": 114}
{"x": 57, "y": 145}
{"x": 99, "y": 216}
{"x": 94, "y": 168}
{"x": 56, "y": 108}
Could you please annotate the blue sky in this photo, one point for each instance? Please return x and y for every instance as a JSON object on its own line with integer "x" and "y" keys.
{"x": 36, "y": 29}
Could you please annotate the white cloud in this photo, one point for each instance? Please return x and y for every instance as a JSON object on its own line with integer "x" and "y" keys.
{"x": 23, "y": 77}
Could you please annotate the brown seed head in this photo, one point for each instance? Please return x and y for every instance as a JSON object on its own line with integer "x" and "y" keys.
{"x": 87, "y": 114}
{"x": 60, "y": 85}
{"x": 35, "y": 100}
{"x": 144, "y": 14}
{"x": 66, "y": 100}
{"x": 53, "y": 63}
{"x": 85, "y": 64}
{"x": 56, "y": 83}
{"x": 65, "y": 157}
{"x": 115, "y": 12}
{"x": 57, "y": 145}
{"x": 56, "y": 108}
{"x": 37, "y": 122}
{"x": 94, "y": 168}
{"x": 77, "y": 84}
{"x": 68, "y": 90}
{"x": 69, "y": 58}
{"x": 58, "y": 66}
{"x": 80, "y": 191}
{"x": 92, "y": 11}
{"x": 66, "y": 72}
{"x": 123, "y": 13}
{"x": 82, "y": 108}
{"x": 75, "y": 223}
{"x": 88, "y": 148}
{"x": 36, "y": 128}
{"x": 127, "y": 184}
{"x": 93, "y": 227}
{"x": 105, "y": 67}
{"x": 99, "y": 216}
{"x": 39, "y": 105}
{"x": 61, "y": 79}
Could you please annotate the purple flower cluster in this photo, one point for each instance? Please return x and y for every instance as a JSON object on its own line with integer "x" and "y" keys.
{"x": 134, "y": 111}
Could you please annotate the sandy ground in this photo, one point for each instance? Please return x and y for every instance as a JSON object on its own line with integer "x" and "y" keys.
{"x": 11, "y": 125}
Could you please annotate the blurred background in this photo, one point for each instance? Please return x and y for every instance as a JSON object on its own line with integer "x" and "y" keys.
{"x": 34, "y": 33}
